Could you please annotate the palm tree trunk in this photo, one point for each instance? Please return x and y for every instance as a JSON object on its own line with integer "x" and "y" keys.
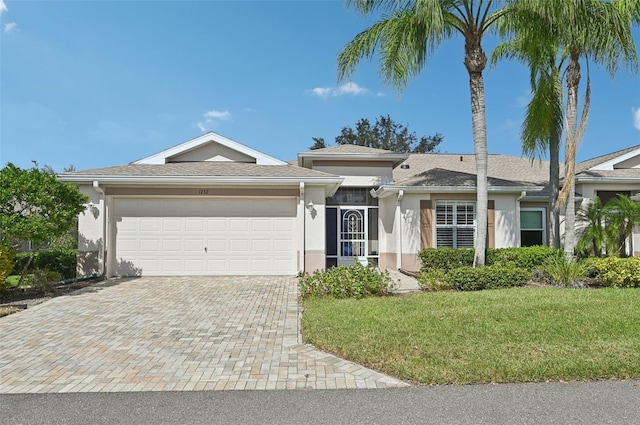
{"x": 475, "y": 62}
{"x": 554, "y": 187}
{"x": 571, "y": 146}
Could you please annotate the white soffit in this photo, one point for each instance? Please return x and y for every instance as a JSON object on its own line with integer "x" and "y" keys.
{"x": 161, "y": 157}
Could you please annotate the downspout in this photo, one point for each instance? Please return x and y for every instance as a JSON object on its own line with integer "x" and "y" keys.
{"x": 399, "y": 239}
{"x": 303, "y": 237}
{"x": 518, "y": 230}
{"x": 101, "y": 258}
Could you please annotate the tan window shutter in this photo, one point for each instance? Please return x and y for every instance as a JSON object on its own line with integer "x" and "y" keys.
{"x": 491, "y": 227}
{"x": 426, "y": 225}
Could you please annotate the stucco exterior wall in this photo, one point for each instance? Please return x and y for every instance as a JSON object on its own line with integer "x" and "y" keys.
{"x": 90, "y": 233}
{"x": 507, "y": 220}
{"x": 314, "y": 229}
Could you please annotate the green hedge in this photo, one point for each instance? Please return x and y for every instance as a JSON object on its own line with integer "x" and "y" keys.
{"x": 468, "y": 278}
{"x": 356, "y": 281}
{"x": 451, "y": 258}
{"x": 615, "y": 271}
{"x": 62, "y": 261}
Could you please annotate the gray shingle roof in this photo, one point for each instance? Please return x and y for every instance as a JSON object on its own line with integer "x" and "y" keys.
{"x": 355, "y": 149}
{"x": 441, "y": 177}
{"x": 585, "y": 165}
{"x": 212, "y": 168}
{"x": 501, "y": 168}
{"x": 622, "y": 173}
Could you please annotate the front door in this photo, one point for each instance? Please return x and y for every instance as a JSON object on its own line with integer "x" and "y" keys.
{"x": 352, "y": 236}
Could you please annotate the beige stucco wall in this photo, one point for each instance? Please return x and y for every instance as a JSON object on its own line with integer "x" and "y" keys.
{"x": 386, "y": 234}
{"x": 90, "y": 233}
{"x": 213, "y": 152}
{"x": 314, "y": 228}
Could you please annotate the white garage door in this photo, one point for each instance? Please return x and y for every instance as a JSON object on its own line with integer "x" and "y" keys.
{"x": 169, "y": 237}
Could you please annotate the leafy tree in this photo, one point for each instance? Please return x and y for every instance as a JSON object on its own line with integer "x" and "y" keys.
{"x": 384, "y": 134}
{"x": 35, "y": 206}
{"x": 407, "y": 33}
{"x": 581, "y": 31}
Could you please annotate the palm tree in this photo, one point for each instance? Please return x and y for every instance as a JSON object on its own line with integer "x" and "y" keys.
{"x": 622, "y": 215}
{"x": 544, "y": 117}
{"x": 585, "y": 31}
{"x": 406, "y": 35}
{"x": 593, "y": 236}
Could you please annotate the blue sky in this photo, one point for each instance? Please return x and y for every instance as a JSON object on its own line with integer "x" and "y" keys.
{"x": 101, "y": 83}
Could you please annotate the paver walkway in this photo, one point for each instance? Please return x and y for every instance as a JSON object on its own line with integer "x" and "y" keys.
{"x": 171, "y": 334}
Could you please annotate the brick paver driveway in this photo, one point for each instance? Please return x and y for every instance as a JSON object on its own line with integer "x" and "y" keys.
{"x": 170, "y": 334}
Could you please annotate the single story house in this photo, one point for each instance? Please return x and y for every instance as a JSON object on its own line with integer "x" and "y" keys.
{"x": 212, "y": 206}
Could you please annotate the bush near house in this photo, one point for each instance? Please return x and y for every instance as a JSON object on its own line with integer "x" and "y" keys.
{"x": 451, "y": 258}
{"x": 61, "y": 261}
{"x": 356, "y": 281}
{"x": 615, "y": 271}
{"x": 449, "y": 268}
{"x": 7, "y": 256}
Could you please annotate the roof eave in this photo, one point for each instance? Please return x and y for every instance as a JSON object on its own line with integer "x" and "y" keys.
{"x": 607, "y": 179}
{"x": 396, "y": 158}
{"x": 386, "y": 191}
{"x": 218, "y": 180}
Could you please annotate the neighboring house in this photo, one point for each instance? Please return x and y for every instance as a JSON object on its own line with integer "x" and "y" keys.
{"x": 212, "y": 206}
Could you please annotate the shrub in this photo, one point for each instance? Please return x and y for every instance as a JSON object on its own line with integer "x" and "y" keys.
{"x": 446, "y": 258}
{"x": 561, "y": 272}
{"x": 450, "y": 258}
{"x": 62, "y": 261}
{"x": 468, "y": 278}
{"x": 617, "y": 272}
{"x": 7, "y": 256}
{"x": 356, "y": 281}
{"x": 487, "y": 277}
{"x": 433, "y": 280}
{"x": 528, "y": 258}
{"x": 43, "y": 280}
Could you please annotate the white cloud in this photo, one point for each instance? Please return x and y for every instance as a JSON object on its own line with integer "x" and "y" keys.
{"x": 3, "y": 7}
{"x": 212, "y": 119}
{"x": 636, "y": 117}
{"x": 322, "y": 92}
{"x": 350, "y": 88}
{"x": 9, "y": 26}
{"x": 347, "y": 88}
{"x": 218, "y": 115}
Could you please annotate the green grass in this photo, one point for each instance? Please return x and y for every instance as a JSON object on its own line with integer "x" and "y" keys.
{"x": 510, "y": 335}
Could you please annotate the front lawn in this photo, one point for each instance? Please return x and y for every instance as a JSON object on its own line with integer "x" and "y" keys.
{"x": 509, "y": 335}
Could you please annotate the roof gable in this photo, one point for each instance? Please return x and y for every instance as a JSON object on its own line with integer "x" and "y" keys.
{"x": 626, "y": 158}
{"x": 210, "y": 147}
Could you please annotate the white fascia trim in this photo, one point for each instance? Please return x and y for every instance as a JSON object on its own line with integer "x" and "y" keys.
{"x": 161, "y": 157}
{"x": 382, "y": 157}
{"x": 607, "y": 179}
{"x": 608, "y": 165}
{"x": 223, "y": 180}
{"x": 385, "y": 191}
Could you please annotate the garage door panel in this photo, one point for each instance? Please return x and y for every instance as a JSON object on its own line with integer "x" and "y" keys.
{"x": 217, "y": 224}
{"x": 149, "y": 245}
{"x": 172, "y": 245}
{"x": 171, "y": 225}
{"x": 238, "y": 225}
{"x": 188, "y": 236}
{"x": 237, "y": 245}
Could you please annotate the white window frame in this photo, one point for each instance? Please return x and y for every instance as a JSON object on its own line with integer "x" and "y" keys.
{"x": 543, "y": 213}
{"x": 455, "y": 226}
